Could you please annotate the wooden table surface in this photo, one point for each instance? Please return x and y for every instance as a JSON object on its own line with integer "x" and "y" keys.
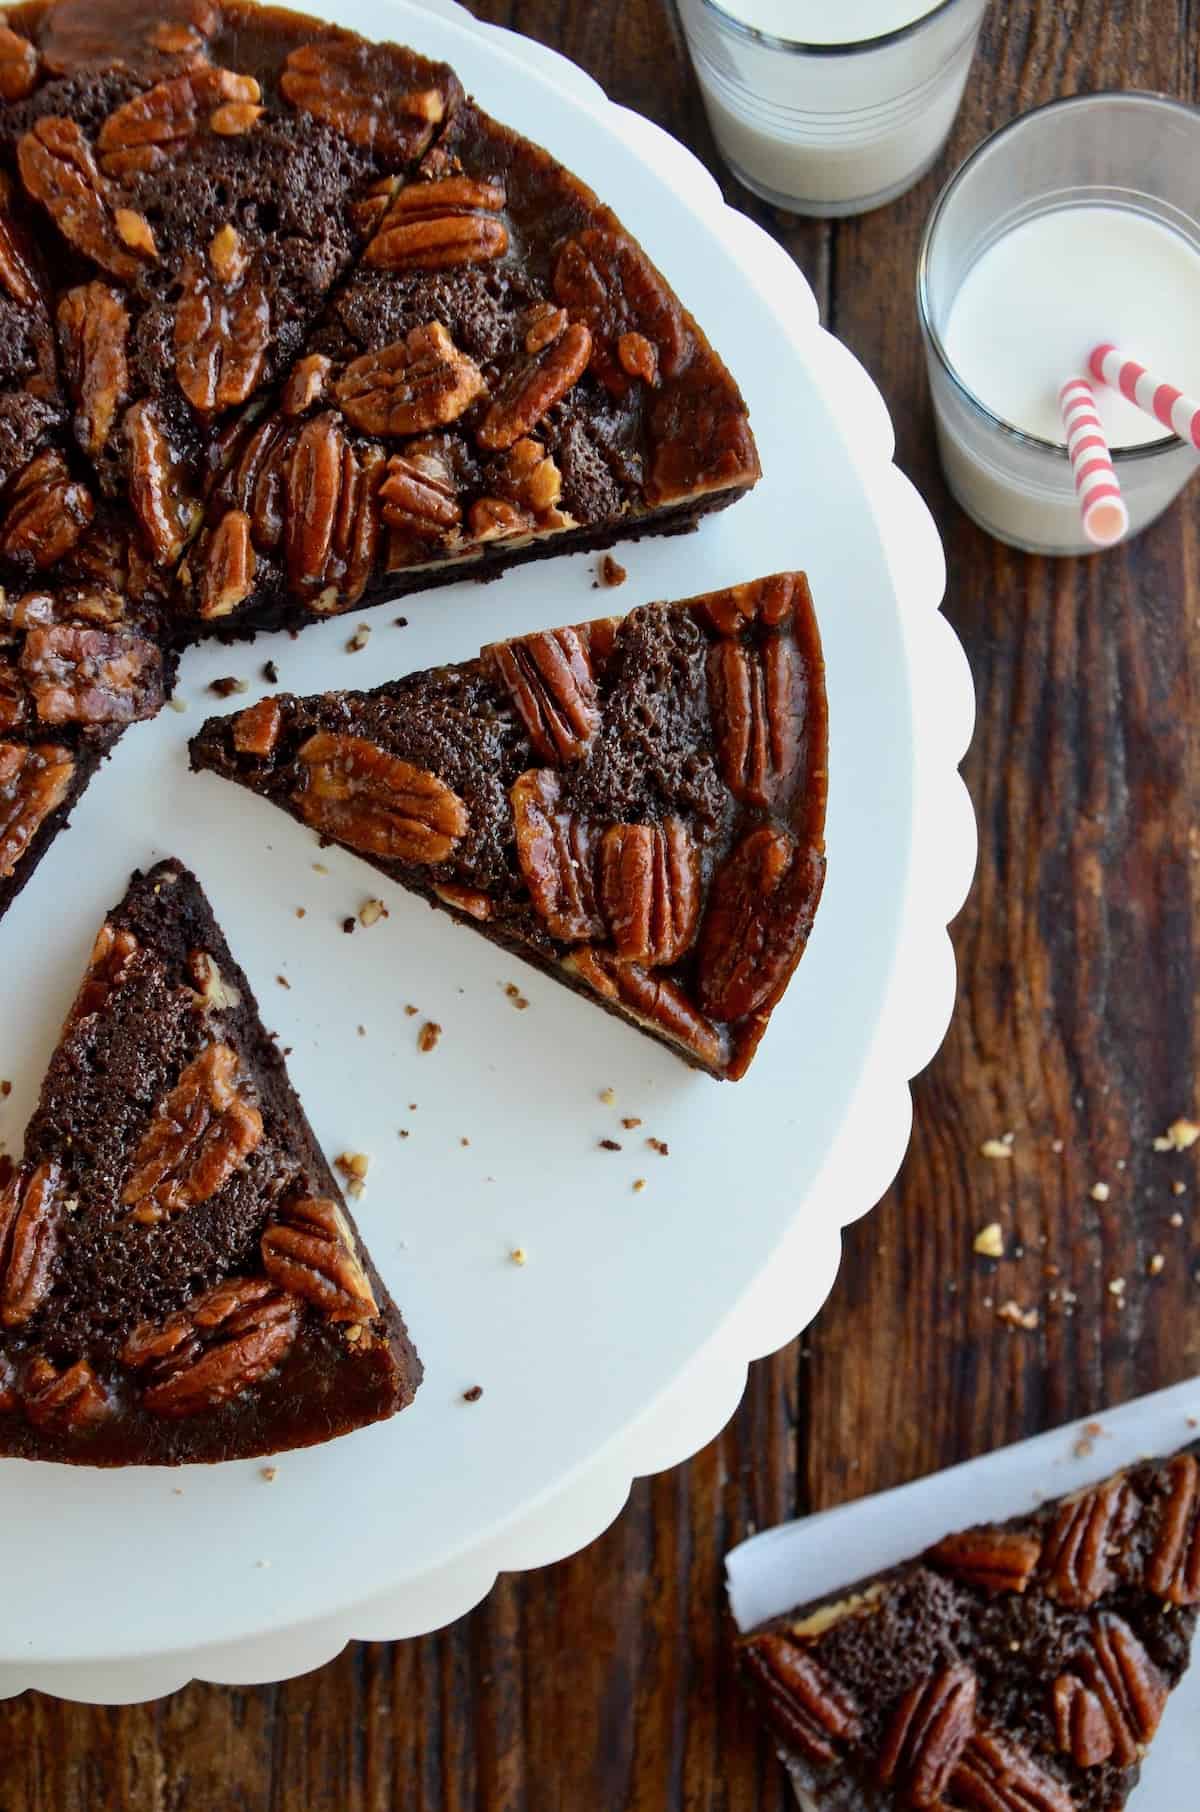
{"x": 603, "y": 1684}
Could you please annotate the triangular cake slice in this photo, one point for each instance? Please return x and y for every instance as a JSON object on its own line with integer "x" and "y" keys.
{"x": 636, "y": 805}
{"x": 1018, "y": 1667}
{"x": 179, "y": 1277}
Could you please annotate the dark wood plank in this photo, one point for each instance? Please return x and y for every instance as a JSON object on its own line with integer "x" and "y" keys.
{"x": 603, "y": 1683}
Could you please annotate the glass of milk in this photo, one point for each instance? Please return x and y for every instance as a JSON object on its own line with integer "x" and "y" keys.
{"x": 1076, "y": 225}
{"x": 831, "y": 106}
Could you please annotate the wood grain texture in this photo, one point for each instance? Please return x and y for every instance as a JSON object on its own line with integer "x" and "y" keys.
{"x": 602, "y": 1684}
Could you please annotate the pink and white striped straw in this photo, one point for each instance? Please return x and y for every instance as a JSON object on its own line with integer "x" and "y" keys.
{"x": 1101, "y": 505}
{"x": 1177, "y": 412}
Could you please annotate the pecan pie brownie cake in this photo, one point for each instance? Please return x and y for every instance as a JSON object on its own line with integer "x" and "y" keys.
{"x": 179, "y": 1276}
{"x": 635, "y": 805}
{"x": 1019, "y": 1667}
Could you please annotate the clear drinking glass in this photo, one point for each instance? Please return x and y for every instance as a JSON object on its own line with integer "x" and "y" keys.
{"x": 1135, "y": 151}
{"x": 832, "y": 129}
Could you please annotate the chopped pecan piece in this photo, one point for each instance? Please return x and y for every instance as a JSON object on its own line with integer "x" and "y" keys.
{"x": 202, "y": 1133}
{"x": 91, "y": 676}
{"x": 430, "y": 226}
{"x": 419, "y": 496}
{"x": 310, "y": 1251}
{"x": 46, "y": 512}
{"x": 534, "y": 386}
{"x": 111, "y": 960}
{"x": 213, "y": 993}
{"x": 549, "y": 678}
{"x": 58, "y": 169}
{"x": 1081, "y": 1725}
{"x": 928, "y": 1732}
{"x": 167, "y": 512}
{"x": 68, "y": 1402}
{"x": 352, "y": 86}
{"x": 476, "y": 905}
{"x": 17, "y": 274}
{"x": 147, "y": 130}
{"x": 530, "y": 477}
{"x": 543, "y": 325}
{"x": 18, "y": 65}
{"x": 306, "y": 384}
{"x": 494, "y": 519}
{"x": 1174, "y": 1569}
{"x": 757, "y": 693}
{"x": 234, "y": 118}
{"x": 256, "y": 730}
{"x": 1124, "y": 1680}
{"x": 221, "y": 1344}
{"x": 995, "y": 1775}
{"x": 638, "y": 357}
{"x": 378, "y": 803}
{"x": 996, "y": 1560}
{"x": 331, "y": 524}
{"x": 556, "y": 851}
{"x": 652, "y": 1000}
{"x": 759, "y": 915}
{"x": 808, "y": 1708}
{"x": 1082, "y": 1541}
{"x": 228, "y": 255}
{"x": 227, "y": 575}
{"x": 93, "y": 329}
{"x": 650, "y": 890}
{"x": 607, "y": 282}
{"x": 33, "y": 783}
{"x": 29, "y": 1231}
{"x": 222, "y": 331}
{"x": 773, "y": 603}
{"x": 417, "y": 383}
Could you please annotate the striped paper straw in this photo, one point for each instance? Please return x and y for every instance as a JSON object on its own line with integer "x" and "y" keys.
{"x": 1101, "y": 505}
{"x": 1177, "y": 412}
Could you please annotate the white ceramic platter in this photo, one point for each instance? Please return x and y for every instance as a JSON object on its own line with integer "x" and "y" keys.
{"x": 621, "y": 1345}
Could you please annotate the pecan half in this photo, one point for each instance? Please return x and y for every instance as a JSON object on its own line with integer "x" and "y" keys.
{"x": 534, "y": 386}
{"x": 202, "y": 1133}
{"x": 68, "y": 1402}
{"x": 806, "y": 1705}
{"x": 257, "y": 482}
{"x": 1174, "y": 1569}
{"x": 17, "y": 274}
{"x": 651, "y": 1000}
{"x": 774, "y": 602}
{"x": 222, "y": 331}
{"x": 757, "y": 923}
{"x": 1082, "y": 1540}
{"x": 229, "y": 562}
{"x": 18, "y": 65}
{"x": 256, "y": 730}
{"x": 417, "y": 383}
{"x": 1120, "y": 1674}
{"x": 29, "y": 1233}
{"x": 995, "y": 1775}
{"x": 431, "y": 226}
{"x": 306, "y": 384}
{"x": 996, "y": 1560}
{"x": 310, "y": 1251}
{"x": 58, "y": 169}
{"x": 606, "y": 281}
{"x": 92, "y": 676}
{"x": 928, "y": 1732}
{"x": 1081, "y": 1725}
{"x": 378, "y": 803}
{"x": 650, "y": 890}
{"x": 221, "y": 1344}
{"x": 33, "y": 783}
{"x": 556, "y": 851}
{"x": 331, "y": 514}
{"x": 152, "y": 127}
{"x": 109, "y": 968}
{"x": 165, "y": 509}
{"x": 418, "y": 495}
{"x": 549, "y": 678}
{"x": 757, "y": 695}
{"x": 46, "y": 512}
{"x": 93, "y": 329}
{"x": 353, "y": 87}
{"x": 529, "y": 476}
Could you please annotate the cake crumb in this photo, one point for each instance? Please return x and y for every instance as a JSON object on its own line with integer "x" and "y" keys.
{"x": 515, "y": 995}
{"x": 319, "y": 868}
{"x": 359, "y": 639}
{"x": 1089, "y": 1434}
{"x": 270, "y": 673}
{"x": 1016, "y": 1317}
{"x": 1181, "y": 1135}
{"x": 639, "y": 1183}
{"x": 464, "y": 1140}
{"x": 403, "y": 1133}
{"x": 370, "y": 913}
{"x": 353, "y": 1166}
{"x": 610, "y": 1145}
{"x": 411, "y": 1011}
{"x": 400, "y": 622}
{"x": 660, "y": 1146}
{"x": 608, "y": 1096}
{"x": 1178, "y": 1187}
{"x": 178, "y": 704}
{"x": 611, "y": 572}
{"x": 361, "y": 1030}
{"x": 348, "y": 925}
{"x": 262, "y": 1563}
{"x": 270, "y": 1474}
{"x": 226, "y": 687}
{"x": 1156, "y": 1264}
{"x": 428, "y": 1036}
{"x": 283, "y": 981}
{"x": 1099, "y": 1192}
{"x": 176, "y": 1490}
{"x": 629, "y": 1121}
{"x": 989, "y": 1241}
{"x": 518, "y": 1255}
{"x": 473, "y": 1395}
{"x": 6, "y": 1088}
{"x": 997, "y": 1148}
{"x": 302, "y": 912}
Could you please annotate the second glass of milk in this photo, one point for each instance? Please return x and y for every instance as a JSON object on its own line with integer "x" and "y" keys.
{"x": 826, "y": 108}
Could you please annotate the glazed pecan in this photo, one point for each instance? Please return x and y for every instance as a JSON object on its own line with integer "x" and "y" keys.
{"x": 45, "y": 512}
{"x": 229, "y": 255}
{"x": 18, "y": 65}
{"x": 808, "y": 1708}
{"x": 1174, "y": 1569}
{"x": 30, "y": 1214}
{"x": 476, "y": 905}
{"x": 306, "y": 384}
{"x": 533, "y": 387}
{"x": 91, "y": 676}
{"x": 352, "y": 86}
{"x": 549, "y": 678}
{"x": 1081, "y": 1725}
{"x": 994, "y": 1775}
{"x": 927, "y": 1734}
{"x": 33, "y": 783}
{"x": 494, "y": 519}
{"x": 222, "y": 331}
{"x": 996, "y": 1560}
{"x": 543, "y": 325}
{"x": 227, "y": 573}
{"x": 221, "y": 1344}
{"x": 757, "y": 695}
{"x": 152, "y": 127}
{"x": 93, "y": 330}
{"x": 418, "y": 495}
{"x": 68, "y": 1402}
{"x": 111, "y": 961}
{"x": 606, "y": 281}
{"x": 431, "y": 226}
{"x": 650, "y": 890}
{"x": 58, "y": 169}
{"x": 93, "y": 605}
{"x": 1120, "y": 1675}
{"x": 234, "y": 118}
{"x": 310, "y": 1251}
{"x": 773, "y": 603}
{"x": 417, "y": 383}
{"x": 256, "y": 730}
{"x": 17, "y": 274}
{"x": 202, "y": 1133}
{"x": 167, "y": 512}
{"x": 530, "y": 478}
{"x": 331, "y": 514}
{"x": 556, "y": 851}
{"x": 759, "y": 915}
{"x": 378, "y": 803}
{"x": 638, "y": 357}
{"x": 1083, "y": 1538}
{"x": 258, "y": 479}
{"x": 653, "y": 1001}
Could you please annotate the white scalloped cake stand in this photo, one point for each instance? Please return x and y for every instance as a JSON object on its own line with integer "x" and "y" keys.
{"x": 126, "y": 1588}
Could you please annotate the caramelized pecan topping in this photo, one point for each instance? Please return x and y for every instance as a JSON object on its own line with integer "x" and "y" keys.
{"x": 1081, "y": 1726}
{"x": 1174, "y": 1569}
{"x": 549, "y": 678}
{"x": 148, "y": 130}
{"x": 533, "y": 387}
{"x": 378, "y": 803}
{"x": 68, "y": 1402}
{"x": 45, "y": 513}
{"x": 17, "y": 274}
{"x": 256, "y": 730}
{"x": 607, "y": 282}
{"x": 352, "y": 86}
{"x": 638, "y": 357}
{"x": 258, "y": 480}
{"x": 78, "y": 32}
{"x": 928, "y": 1732}
{"x": 18, "y": 65}
{"x": 1082, "y": 1540}
{"x": 757, "y": 693}
{"x": 476, "y": 905}
{"x": 93, "y": 330}
{"x": 91, "y": 676}
{"x": 543, "y": 325}
{"x": 808, "y": 1708}
{"x": 556, "y": 851}
{"x": 306, "y": 384}
{"x": 111, "y": 960}
{"x": 29, "y": 1233}
{"x": 529, "y": 477}
{"x": 229, "y": 562}
{"x": 757, "y": 922}
{"x": 58, "y": 169}
{"x": 1124, "y": 1681}
{"x": 418, "y": 496}
{"x": 310, "y": 1251}
{"x": 995, "y": 1775}
{"x": 331, "y": 520}
{"x": 417, "y": 383}
{"x": 34, "y": 782}
{"x": 221, "y": 1344}
{"x": 430, "y": 226}
{"x": 202, "y": 1133}
{"x": 996, "y": 1560}
{"x": 652, "y": 1000}
{"x": 650, "y": 890}
{"x": 168, "y": 514}
{"x": 222, "y": 331}
{"x": 700, "y": 436}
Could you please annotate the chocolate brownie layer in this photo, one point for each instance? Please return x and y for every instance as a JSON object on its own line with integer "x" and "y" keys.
{"x": 179, "y": 1277}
